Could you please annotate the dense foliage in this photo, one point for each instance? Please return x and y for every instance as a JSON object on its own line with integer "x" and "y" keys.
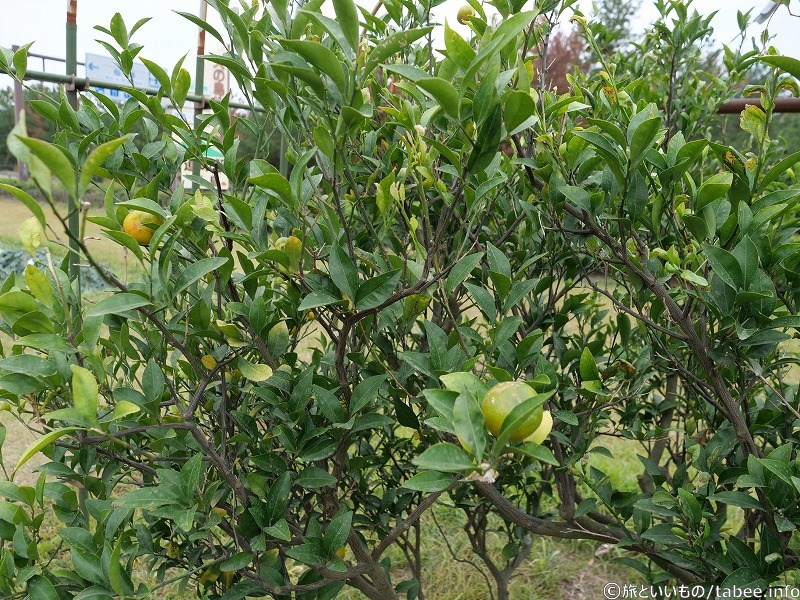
{"x": 301, "y": 365}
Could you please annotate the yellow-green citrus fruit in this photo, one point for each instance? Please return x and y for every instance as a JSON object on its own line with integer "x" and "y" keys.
{"x": 141, "y": 225}
{"x": 341, "y": 552}
{"x": 465, "y": 13}
{"x": 172, "y": 550}
{"x": 501, "y": 400}
{"x": 209, "y": 362}
{"x": 294, "y": 250}
{"x": 544, "y": 429}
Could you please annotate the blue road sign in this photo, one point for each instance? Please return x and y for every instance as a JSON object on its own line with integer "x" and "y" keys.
{"x": 103, "y": 68}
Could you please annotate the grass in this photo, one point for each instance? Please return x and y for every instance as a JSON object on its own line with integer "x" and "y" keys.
{"x": 554, "y": 568}
{"x": 107, "y": 251}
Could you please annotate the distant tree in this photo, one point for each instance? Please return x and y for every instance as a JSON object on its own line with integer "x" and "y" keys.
{"x": 38, "y": 126}
{"x": 616, "y": 16}
{"x": 565, "y": 53}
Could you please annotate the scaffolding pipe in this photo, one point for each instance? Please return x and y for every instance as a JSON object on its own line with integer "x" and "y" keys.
{"x": 737, "y": 105}
{"x": 74, "y": 216}
{"x": 198, "y": 82}
{"x": 83, "y": 84}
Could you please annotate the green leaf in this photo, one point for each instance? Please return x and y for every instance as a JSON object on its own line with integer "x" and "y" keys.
{"x": 96, "y": 160}
{"x": 39, "y": 445}
{"x": 55, "y": 160}
{"x": 519, "y": 112}
{"x": 338, "y": 530}
{"x": 443, "y": 92}
{"x": 39, "y": 172}
{"x": 487, "y": 142}
{"x": 343, "y": 271}
{"x": 236, "y": 562}
{"x": 30, "y": 203}
{"x": 322, "y": 58}
{"x": 85, "y": 393}
{"x": 273, "y": 181}
{"x": 462, "y": 380}
{"x": 197, "y": 270}
{"x": 159, "y": 73}
{"x": 278, "y": 497}
{"x": 469, "y": 424}
{"x": 690, "y": 506}
{"x": 461, "y": 271}
{"x": 20, "y": 61}
{"x": 347, "y": 17}
{"x": 409, "y": 72}
{"x": 334, "y": 29}
{"x": 40, "y": 588}
{"x": 781, "y": 470}
{"x": 313, "y": 477}
{"x": 122, "y": 409}
{"x": 376, "y": 291}
{"x": 458, "y": 50}
{"x": 428, "y": 481}
{"x": 31, "y": 234}
{"x": 390, "y": 46}
{"x": 280, "y": 531}
{"x": 740, "y": 580}
{"x": 537, "y": 452}
{"x": 644, "y": 136}
{"x": 740, "y": 499}
{"x": 503, "y": 35}
{"x": 316, "y": 299}
{"x": 117, "y": 304}
{"x": 45, "y": 342}
{"x": 724, "y": 265}
{"x": 712, "y": 189}
{"x": 784, "y": 63}
{"x": 578, "y": 196}
{"x": 115, "y": 570}
{"x": 365, "y": 392}
{"x": 588, "y": 366}
{"x": 202, "y": 25}
{"x": 746, "y": 254}
{"x": 180, "y": 87}
{"x": 779, "y": 170}
{"x": 252, "y": 371}
{"x": 444, "y": 457}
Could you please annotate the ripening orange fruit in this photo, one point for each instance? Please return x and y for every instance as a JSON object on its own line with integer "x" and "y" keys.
{"x": 141, "y": 225}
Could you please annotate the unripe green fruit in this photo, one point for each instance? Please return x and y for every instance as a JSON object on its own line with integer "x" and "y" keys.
{"x": 465, "y": 13}
{"x": 501, "y": 400}
{"x": 544, "y": 429}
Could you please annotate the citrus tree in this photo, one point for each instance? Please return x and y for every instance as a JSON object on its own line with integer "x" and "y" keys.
{"x": 462, "y": 286}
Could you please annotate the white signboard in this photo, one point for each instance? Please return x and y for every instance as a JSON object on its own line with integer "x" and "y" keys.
{"x": 216, "y": 79}
{"x": 103, "y": 68}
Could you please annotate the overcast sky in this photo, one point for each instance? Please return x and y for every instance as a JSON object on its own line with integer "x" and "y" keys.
{"x": 169, "y": 36}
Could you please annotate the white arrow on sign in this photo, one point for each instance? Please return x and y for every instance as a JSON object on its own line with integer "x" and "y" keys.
{"x": 103, "y": 68}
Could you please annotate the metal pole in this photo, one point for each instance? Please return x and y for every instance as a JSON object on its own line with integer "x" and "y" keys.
{"x": 19, "y": 105}
{"x": 82, "y": 84}
{"x": 737, "y": 105}
{"x": 74, "y": 216}
{"x": 198, "y": 82}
